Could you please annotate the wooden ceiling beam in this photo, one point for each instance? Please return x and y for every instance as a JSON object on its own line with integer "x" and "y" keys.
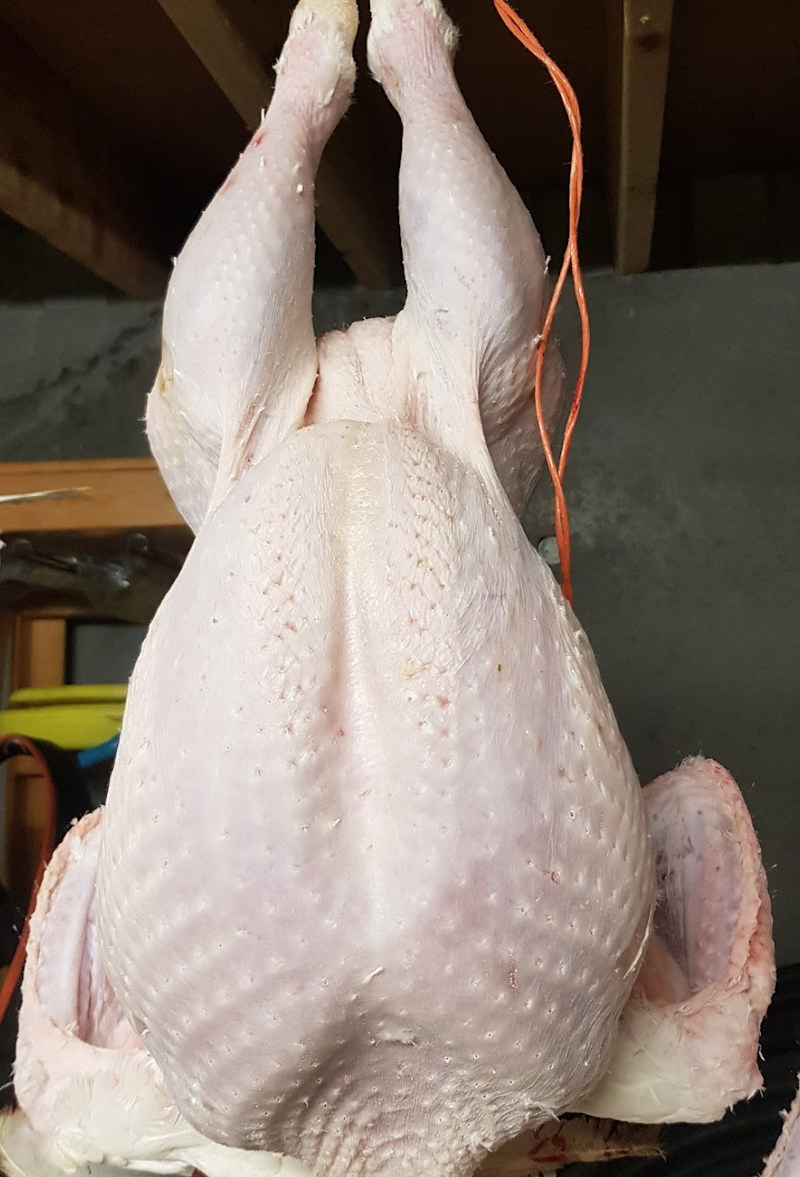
{"x": 224, "y": 54}
{"x": 356, "y": 207}
{"x": 639, "y": 47}
{"x": 64, "y": 176}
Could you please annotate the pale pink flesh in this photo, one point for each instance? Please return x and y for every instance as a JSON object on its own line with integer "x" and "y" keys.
{"x": 375, "y": 874}
{"x": 88, "y": 1090}
{"x": 77, "y": 1058}
{"x": 91, "y": 1099}
{"x": 688, "y": 1039}
{"x": 375, "y": 880}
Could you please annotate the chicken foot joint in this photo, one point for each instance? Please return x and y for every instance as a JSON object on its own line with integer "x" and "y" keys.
{"x": 376, "y": 891}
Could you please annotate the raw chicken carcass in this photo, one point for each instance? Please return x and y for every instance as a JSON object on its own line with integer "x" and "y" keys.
{"x": 90, "y": 1095}
{"x": 374, "y": 882}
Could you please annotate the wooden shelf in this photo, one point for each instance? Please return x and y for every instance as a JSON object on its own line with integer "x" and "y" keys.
{"x": 108, "y": 495}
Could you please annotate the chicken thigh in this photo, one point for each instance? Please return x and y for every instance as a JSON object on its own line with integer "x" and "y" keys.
{"x": 374, "y": 881}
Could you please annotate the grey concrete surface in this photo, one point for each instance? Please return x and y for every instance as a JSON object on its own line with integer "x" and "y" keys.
{"x": 73, "y": 376}
{"x": 74, "y": 373}
{"x": 685, "y": 497}
{"x": 683, "y": 490}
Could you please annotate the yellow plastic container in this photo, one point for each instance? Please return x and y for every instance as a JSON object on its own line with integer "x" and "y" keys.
{"x": 74, "y": 717}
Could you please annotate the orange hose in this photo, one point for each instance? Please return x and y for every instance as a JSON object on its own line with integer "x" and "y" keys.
{"x": 571, "y": 261}
{"x": 14, "y": 973}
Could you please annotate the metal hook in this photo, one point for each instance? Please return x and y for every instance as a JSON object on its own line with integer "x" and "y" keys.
{"x": 23, "y": 549}
{"x": 139, "y": 545}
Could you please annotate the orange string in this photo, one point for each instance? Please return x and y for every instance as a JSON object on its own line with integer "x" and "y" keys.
{"x": 14, "y": 972}
{"x": 571, "y": 261}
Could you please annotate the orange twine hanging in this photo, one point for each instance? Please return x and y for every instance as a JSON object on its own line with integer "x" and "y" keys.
{"x": 12, "y": 977}
{"x": 571, "y": 261}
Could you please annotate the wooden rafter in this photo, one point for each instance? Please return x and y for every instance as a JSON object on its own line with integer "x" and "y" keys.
{"x": 639, "y": 40}
{"x": 63, "y": 176}
{"x": 223, "y": 52}
{"x": 355, "y": 204}
{"x": 38, "y": 650}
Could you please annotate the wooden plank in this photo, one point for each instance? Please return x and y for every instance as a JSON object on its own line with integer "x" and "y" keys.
{"x": 38, "y": 659}
{"x": 64, "y": 176}
{"x": 356, "y": 206}
{"x": 39, "y": 655}
{"x": 639, "y": 44}
{"x": 26, "y": 817}
{"x": 111, "y": 495}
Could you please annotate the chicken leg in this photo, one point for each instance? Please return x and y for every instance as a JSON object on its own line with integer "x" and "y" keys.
{"x": 475, "y": 269}
{"x": 239, "y": 357}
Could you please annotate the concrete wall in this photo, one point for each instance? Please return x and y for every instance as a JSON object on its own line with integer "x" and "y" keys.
{"x": 683, "y": 490}
{"x": 685, "y": 495}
